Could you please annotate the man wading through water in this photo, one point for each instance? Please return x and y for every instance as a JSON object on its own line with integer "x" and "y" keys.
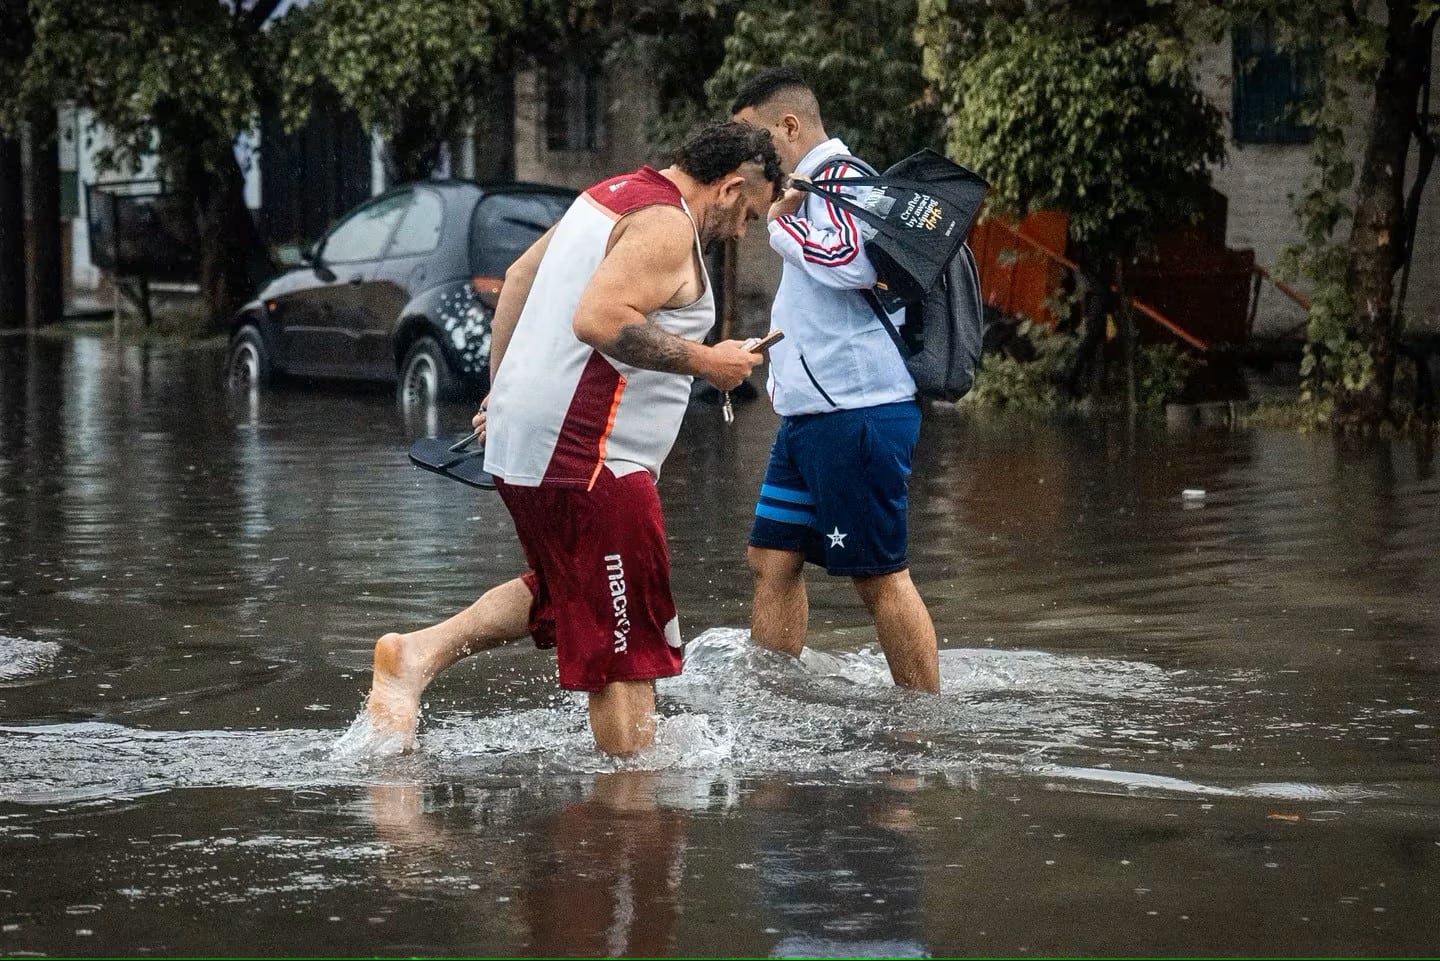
{"x": 596, "y": 337}
{"x": 836, "y": 491}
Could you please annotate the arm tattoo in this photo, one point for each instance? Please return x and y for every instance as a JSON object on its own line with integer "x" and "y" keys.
{"x": 647, "y": 345}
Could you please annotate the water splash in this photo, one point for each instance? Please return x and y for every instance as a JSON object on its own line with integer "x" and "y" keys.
{"x": 21, "y": 659}
{"x": 737, "y": 711}
{"x": 363, "y": 741}
{"x": 97, "y": 761}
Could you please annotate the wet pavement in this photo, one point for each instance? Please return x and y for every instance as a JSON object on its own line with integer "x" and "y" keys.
{"x": 1170, "y": 723}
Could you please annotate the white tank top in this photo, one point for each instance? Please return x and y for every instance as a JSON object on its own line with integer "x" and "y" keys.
{"x": 559, "y": 410}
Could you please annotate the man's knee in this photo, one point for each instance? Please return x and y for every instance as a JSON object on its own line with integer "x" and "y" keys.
{"x": 776, "y": 567}
{"x": 878, "y": 588}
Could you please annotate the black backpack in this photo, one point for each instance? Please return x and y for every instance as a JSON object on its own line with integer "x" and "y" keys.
{"x": 914, "y": 225}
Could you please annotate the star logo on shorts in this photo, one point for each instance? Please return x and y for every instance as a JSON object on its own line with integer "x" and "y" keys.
{"x": 837, "y": 539}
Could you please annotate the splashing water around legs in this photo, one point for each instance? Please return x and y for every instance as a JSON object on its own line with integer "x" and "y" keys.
{"x": 406, "y": 663}
{"x": 904, "y": 629}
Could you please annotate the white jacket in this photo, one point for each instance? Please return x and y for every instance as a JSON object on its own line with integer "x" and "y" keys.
{"x": 835, "y": 355}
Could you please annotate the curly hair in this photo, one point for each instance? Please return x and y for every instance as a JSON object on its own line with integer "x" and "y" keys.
{"x": 720, "y": 148}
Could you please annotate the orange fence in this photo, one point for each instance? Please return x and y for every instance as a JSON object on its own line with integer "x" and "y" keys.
{"x": 1194, "y": 288}
{"x": 1021, "y": 269}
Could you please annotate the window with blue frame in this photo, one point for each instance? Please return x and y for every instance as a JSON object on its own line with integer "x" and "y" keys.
{"x": 1271, "y": 87}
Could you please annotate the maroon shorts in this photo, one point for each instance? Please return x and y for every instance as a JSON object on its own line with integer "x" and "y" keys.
{"x": 600, "y": 577}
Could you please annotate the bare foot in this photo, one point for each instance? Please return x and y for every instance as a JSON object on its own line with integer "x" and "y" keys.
{"x": 394, "y": 704}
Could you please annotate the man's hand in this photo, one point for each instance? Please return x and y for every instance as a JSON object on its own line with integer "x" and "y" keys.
{"x": 788, "y": 204}
{"x": 728, "y": 363}
{"x": 479, "y": 420}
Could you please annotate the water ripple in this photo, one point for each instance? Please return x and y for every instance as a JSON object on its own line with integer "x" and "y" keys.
{"x": 20, "y": 659}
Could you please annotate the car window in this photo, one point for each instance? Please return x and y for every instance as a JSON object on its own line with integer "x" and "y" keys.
{"x": 419, "y": 231}
{"x": 505, "y": 226}
{"x": 363, "y": 234}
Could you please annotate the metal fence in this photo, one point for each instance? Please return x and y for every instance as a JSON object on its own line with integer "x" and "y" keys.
{"x": 140, "y": 230}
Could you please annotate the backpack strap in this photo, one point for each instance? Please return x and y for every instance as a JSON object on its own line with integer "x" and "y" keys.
{"x": 824, "y": 190}
{"x": 834, "y": 162}
{"x": 873, "y": 300}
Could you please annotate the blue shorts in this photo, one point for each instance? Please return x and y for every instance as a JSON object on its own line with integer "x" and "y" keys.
{"x": 837, "y": 489}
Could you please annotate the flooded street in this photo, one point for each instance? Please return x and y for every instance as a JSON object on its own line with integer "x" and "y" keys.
{"x": 1171, "y": 722}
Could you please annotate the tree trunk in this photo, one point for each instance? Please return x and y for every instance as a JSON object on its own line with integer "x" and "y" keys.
{"x": 12, "y": 235}
{"x": 16, "y": 41}
{"x": 1377, "y": 239}
{"x": 44, "y": 281}
{"x": 1097, "y": 274}
{"x": 413, "y": 152}
{"x": 1125, "y": 320}
{"x": 233, "y": 258}
{"x": 495, "y": 128}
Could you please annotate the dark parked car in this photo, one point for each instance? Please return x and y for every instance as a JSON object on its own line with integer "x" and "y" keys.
{"x": 402, "y": 288}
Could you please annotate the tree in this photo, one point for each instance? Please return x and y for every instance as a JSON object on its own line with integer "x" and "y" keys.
{"x": 180, "y": 79}
{"x": 860, "y": 58}
{"x": 414, "y": 70}
{"x": 1086, "y": 108}
{"x": 1384, "y": 52}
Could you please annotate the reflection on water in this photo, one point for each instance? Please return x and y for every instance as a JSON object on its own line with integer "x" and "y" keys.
{"x": 842, "y": 875}
{"x": 1168, "y": 723}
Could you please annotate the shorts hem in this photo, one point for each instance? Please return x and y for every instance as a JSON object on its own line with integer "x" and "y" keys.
{"x": 597, "y": 688}
{"x": 867, "y": 571}
{"x": 775, "y": 546}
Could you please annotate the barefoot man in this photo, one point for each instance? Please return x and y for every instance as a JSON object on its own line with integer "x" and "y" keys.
{"x": 597, "y": 335}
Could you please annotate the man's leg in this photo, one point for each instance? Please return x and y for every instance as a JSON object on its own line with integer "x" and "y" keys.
{"x": 622, "y": 716}
{"x": 906, "y": 633}
{"x": 405, "y": 663}
{"x": 780, "y": 613}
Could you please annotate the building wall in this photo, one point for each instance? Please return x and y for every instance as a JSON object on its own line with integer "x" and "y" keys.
{"x": 630, "y": 104}
{"x": 1259, "y": 179}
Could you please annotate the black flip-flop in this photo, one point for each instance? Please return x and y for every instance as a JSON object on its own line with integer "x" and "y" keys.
{"x": 455, "y": 460}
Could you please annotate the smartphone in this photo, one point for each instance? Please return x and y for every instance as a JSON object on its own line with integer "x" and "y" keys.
{"x": 761, "y": 345}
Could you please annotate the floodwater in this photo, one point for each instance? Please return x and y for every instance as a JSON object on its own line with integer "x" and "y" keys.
{"x": 1171, "y": 723}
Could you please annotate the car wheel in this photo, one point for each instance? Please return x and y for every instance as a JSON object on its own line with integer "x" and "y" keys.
{"x": 425, "y": 375}
{"x": 247, "y": 366}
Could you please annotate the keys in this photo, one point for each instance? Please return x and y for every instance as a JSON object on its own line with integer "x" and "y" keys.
{"x": 727, "y": 410}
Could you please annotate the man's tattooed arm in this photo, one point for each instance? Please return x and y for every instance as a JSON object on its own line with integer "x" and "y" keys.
{"x": 647, "y": 345}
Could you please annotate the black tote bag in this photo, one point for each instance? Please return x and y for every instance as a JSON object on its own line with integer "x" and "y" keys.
{"x": 916, "y": 217}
